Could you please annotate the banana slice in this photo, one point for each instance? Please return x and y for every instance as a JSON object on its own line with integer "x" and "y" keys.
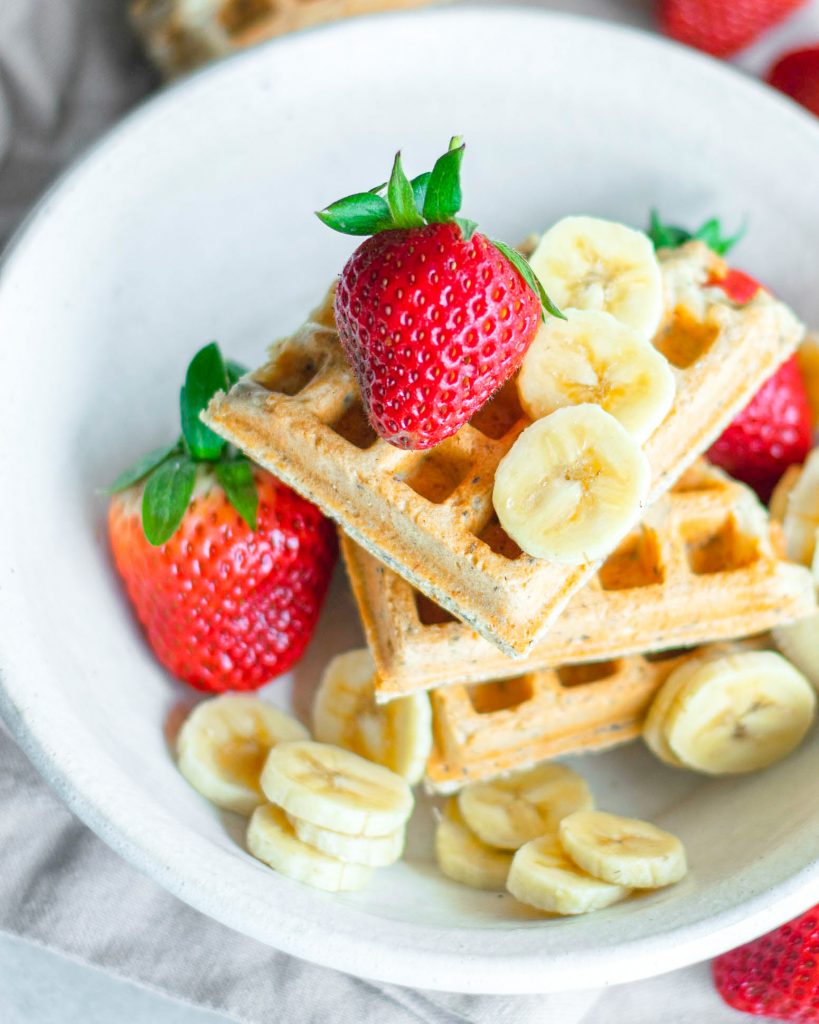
{"x": 464, "y": 858}
{"x": 270, "y": 838}
{"x": 799, "y": 643}
{"x": 510, "y": 811}
{"x": 594, "y": 264}
{"x": 397, "y": 735}
{"x": 223, "y": 744}
{"x": 808, "y": 356}
{"x": 801, "y": 519}
{"x": 591, "y": 357}
{"x": 571, "y": 486}
{"x": 654, "y": 724}
{"x": 372, "y": 851}
{"x": 336, "y": 789}
{"x": 739, "y": 713}
{"x": 778, "y": 505}
{"x": 544, "y": 877}
{"x": 623, "y": 851}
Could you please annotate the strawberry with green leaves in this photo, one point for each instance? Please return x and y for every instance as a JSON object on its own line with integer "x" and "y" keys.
{"x": 774, "y": 430}
{"x": 226, "y": 567}
{"x": 432, "y": 315}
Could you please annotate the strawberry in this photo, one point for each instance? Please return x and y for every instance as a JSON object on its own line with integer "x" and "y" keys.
{"x": 226, "y": 567}
{"x": 777, "y": 975}
{"x": 797, "y": 75}
{"x": 774, "y": 430}
{"x": 432, "y": 315}
{"x": 722, "y": 27}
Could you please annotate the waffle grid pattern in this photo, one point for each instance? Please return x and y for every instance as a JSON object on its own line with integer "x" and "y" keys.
{"x": 429, "y": 515}
{"x": 488, "y": 729}
{"x": 703, "y": 566}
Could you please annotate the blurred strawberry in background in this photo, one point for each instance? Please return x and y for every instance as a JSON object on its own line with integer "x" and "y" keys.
{"x": 722, "y": 27}
{"x": 797, "y": 74}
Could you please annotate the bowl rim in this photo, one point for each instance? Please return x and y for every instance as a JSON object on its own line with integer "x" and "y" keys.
{"x": 414, "y": 954}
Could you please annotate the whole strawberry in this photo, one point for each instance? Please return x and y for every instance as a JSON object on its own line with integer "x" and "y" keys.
{"x": 777, "y": 975}
{"x": 797, "y": 75}
{"x": 432, "y": 315}
{"x": 226, "y": 567}
{"x": 722, "y": 27}
{"x": 774, "y": 430}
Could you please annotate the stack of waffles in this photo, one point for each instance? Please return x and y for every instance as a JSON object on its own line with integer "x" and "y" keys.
{"x": 526, "y": 659}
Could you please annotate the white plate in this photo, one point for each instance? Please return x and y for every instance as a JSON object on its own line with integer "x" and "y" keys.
{"x": 192, "y": 220}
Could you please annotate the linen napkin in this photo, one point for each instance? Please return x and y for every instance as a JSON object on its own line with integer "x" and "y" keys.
{"x": 68, "y": 69}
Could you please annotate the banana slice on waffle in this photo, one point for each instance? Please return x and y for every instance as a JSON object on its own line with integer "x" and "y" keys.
{"x": 801, "y": 517}
{"x": 511, "y": 811}
{"x": 623, "y": 851}
{"x": 571, "y": 486}
{"x": 592, "y": 358}
{"x": 544, "y": 876}
{"x": 397, "y": 735}
{"x": 594, "y": 264}
{"x": 223, "y": 744}
{"x": 336, "y": 789}
{"x": 463, "y": 857}
{"x": 731, "y": 714}
{"x": 272, "y": 839}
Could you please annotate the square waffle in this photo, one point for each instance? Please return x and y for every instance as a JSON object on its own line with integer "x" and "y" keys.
{"x": 428, "y": 514}
{"x": 489, "y": 729}
{"x": 704, "y": 565}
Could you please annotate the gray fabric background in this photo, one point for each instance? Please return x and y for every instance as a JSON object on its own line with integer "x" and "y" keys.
{"x": 69, "y": 68}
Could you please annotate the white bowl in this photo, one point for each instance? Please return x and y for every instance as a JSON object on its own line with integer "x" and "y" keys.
{"x": 192, "y": 220}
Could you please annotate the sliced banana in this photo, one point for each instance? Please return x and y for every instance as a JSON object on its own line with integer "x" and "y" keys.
{"x": 463, "y": 857}
{"x": 592, "y": 358}
{"x": 571, "y": 486}
{"x": 543, "y": 876}
{"x": 799, "y": 642}
{"x": 223, "y": 744}
{"x": 270, "y": 838}
{"x": 600, "y": 265}
{"x": 781, "y": 496}
{"x": 808, "y": 356}
{"x": 510, "y": 811}
{"x": 336, "y": 789}
{"x": 623, "y": 851}
{"x": 373, "y": 851}
{"x": 654, "y": 724}
{"x": 739, "y": 713}
{"x": 801, "y": 519}
{"x": 397, "y": 735}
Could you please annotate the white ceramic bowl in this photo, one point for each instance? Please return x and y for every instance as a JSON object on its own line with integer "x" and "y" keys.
{"x": 192, "y": 220}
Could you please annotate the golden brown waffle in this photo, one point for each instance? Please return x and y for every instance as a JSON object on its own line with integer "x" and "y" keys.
{"x": 704, "y": 565}
{"x": 429, "y": 515}
{"x": 491, "y": 728}
{"x": 182, "y": 34}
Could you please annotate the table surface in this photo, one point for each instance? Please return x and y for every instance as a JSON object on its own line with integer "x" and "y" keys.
{"x": 38, "y": 986}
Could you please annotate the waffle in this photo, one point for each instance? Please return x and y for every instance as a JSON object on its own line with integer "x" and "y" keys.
{"x": 429, "y": 515}
{"x": 491, "y": 728}
{"x": 182, "y": 34}
{"x": 704, "y": 565}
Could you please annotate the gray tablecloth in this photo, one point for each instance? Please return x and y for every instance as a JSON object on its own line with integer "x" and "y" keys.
{"x": 68, "y": 68}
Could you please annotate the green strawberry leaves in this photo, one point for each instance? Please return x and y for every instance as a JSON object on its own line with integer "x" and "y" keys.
{"x": 529, "y": 276}
{"x": 142, "y": 467}
{"x": 668, "y": 236}
{"x": 238, "y": 484}
{"x": 206, "y": 375}
{"x": 170, "y": 472}
{"x": 166, "y": 497}
{"x": 443, "y": 196}
{"x": 433, "y": 197}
